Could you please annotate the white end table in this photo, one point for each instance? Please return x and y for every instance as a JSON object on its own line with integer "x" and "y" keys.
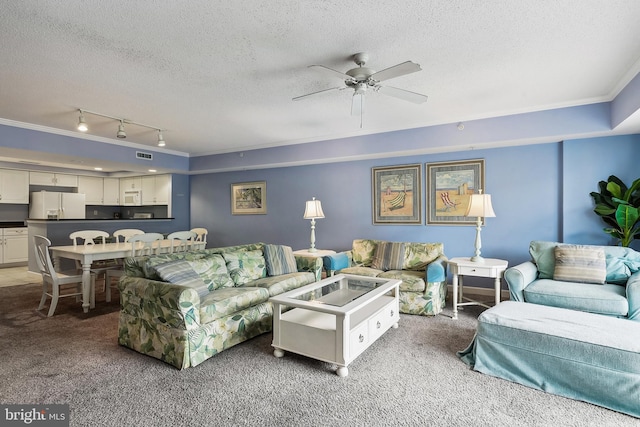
{"x": 316, "y": 253}
{"x": 491, "y": 267}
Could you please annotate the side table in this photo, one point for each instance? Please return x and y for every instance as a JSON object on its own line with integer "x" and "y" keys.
{"x": 491, "y": 267}
{"x": 316, "y": 253}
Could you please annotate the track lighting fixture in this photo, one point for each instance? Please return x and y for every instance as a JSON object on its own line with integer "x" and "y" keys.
{"x": 82, "y": 125}
{"x": 121, "y": 133}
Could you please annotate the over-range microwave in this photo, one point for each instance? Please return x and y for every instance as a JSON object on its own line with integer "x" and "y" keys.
{"x": 132, "y": 197}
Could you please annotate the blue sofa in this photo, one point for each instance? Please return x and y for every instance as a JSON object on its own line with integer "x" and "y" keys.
{"x": 549, "y": 279}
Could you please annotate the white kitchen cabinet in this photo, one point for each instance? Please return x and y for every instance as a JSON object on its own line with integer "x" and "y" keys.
{"x": 111, "y": 192}
{"x": 14, "y": 245}
{"x": 14, "y": 186}
{"x": 93, "y": 189}
{"x": 156, "y": 190}
{"x": 54, "y": 179}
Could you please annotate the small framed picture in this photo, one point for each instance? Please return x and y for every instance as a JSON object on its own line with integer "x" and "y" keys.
{"x": 397, "y": 194}
{"x": 449, "y": 185}
{"x": 249, "y": 198}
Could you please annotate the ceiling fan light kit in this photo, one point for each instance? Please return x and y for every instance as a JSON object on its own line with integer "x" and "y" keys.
{"x": 83, "y": 127}
{"x": 361, "y": 79}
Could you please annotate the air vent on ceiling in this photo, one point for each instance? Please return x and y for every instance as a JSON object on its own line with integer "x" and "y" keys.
{"x": 144, "y": 156}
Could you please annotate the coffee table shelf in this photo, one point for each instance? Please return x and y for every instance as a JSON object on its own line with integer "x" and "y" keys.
{"x": 335, "y": 319}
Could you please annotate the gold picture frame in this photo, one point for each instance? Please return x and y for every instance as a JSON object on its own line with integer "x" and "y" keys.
{"x": 249, "y": 198}
{"x": 449, "y": 185}
{"x": 397, "y": 194}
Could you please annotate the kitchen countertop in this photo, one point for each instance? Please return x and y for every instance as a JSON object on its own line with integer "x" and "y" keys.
{"x": 11, "y": 224}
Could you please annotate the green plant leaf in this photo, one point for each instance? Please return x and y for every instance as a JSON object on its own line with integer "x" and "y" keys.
{"x": 604, "y": 210}
{"x": 635, "y": 186}
{"x": 614, "y": 189}
{"x": 627, "y": 216}
{"x": 619, "y": 201}
{"x": 618, "y": 182}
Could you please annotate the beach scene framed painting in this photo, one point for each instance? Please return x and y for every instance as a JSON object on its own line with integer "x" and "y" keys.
{"x": 249, "y": 198}
{"x": 449, "y": 185}
{"x": 397, "y": 194}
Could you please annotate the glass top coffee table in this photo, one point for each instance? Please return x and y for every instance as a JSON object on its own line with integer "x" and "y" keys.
{"x": 335, "y": 319}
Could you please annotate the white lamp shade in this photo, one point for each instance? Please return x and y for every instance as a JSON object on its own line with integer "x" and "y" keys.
{"x": 313, "y": 209}
{"x": 480, "y": 206}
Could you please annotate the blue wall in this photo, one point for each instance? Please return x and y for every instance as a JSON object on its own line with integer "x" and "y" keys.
{"x": 539, "y": 192}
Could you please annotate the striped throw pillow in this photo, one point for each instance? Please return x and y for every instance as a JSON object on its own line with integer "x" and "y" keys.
{"x": 388, "y": 256}
{"x": 580, "y": 263}
{"x": 181, "y": 273}
{"x": 279, "y": 260}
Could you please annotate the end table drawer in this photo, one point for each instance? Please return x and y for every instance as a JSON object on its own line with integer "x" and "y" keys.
{"x": 479, "y": 271}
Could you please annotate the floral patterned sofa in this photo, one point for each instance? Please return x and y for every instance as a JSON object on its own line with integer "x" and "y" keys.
{"x": 184, "y": 308}
{"x": 422, "y": 267}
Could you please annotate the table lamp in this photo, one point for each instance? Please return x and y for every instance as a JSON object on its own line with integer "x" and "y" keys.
{"x": 313, "y": 211}
{"x": 480, "y": 207}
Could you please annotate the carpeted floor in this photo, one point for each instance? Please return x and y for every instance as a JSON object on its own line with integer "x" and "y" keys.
{"x": 410, "y": 377}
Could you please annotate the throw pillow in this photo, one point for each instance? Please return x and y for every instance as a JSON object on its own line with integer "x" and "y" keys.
{"x": 580, "y": 263}
{"x": 543, "y": 255}
{"x": 363, "y": 250}
{"x": 245, "y": 266}
{"x": 213, "y": 271}
{"x": 388, "y": 256}
{"x": 280, "y": 260}
{"x": 180, "y": 273}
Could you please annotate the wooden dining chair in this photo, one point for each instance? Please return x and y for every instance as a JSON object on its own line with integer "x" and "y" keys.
{"x": 123, "y": 234}
{"x": 54, "y": 282}
{"x": 89, "y": 237}
{"x": 201, "y": 235}
{"x": 145, "y": 244}
{"x": 181, "y": 241}
{"x": 120, "y": 236}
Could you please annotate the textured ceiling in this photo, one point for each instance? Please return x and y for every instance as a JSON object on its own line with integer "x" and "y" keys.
{"x": 220, "y": 76}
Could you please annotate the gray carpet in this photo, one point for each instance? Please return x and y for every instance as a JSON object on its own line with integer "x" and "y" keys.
{"x": 409, "y": 377}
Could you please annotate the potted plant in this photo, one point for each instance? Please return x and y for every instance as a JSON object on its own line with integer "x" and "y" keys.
{"x": 619, "y": 207}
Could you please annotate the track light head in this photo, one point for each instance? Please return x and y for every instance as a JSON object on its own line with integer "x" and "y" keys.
{"x": 161, "y": 142}
{"x": 82, "y": 125}
{"x": 121, "y": 133}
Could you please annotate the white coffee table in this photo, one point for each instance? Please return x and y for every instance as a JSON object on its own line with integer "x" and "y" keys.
{"x": 335, "y": 319}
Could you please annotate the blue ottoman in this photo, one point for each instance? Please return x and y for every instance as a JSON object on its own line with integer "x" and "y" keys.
{"x": 582, "y": 356}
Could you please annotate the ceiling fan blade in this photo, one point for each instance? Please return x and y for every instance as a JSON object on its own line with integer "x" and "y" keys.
{"x": 357, "y": 104}
{"x": 416, "y": 98}
{"x": 335, "y": 73}
{"x": 396, "y": 71}
{"x": 320, "y": 91}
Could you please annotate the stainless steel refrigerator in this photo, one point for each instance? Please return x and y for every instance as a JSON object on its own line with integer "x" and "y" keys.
{"x": 57, "y": 205}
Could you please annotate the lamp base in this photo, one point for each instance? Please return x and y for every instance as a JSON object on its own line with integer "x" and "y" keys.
{"x": 312, "y": 250}
{"x": 477, "y": 259}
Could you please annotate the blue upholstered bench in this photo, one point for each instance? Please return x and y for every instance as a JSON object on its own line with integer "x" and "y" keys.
{"x": 582, "y": 356}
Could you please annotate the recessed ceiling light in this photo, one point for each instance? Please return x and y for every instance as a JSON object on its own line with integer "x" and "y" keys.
{"x": 152, "y": 170}
{"x": 97, "y": 169}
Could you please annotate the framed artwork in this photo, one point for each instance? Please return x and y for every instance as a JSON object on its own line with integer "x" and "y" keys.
{"x": 249, "y": 198}
{"x": 397, "y": 194}
{"x": 449, "y": 185}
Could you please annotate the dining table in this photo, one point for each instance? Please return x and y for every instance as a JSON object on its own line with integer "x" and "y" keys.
{"x": 87, "y": 254}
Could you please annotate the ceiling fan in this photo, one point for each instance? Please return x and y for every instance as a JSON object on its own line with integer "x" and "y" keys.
{"x": 362, "y": 79}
